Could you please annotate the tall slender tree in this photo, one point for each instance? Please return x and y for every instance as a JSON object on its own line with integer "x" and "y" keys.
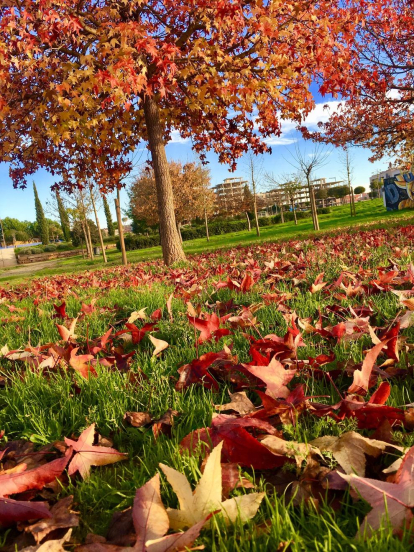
{"x": 108, "y": 216}
{"x": 64, "y": 218}
{"x": 42, "y": 226}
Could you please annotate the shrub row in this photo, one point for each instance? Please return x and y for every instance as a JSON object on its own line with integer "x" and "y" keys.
{"x": 37, "y": 249}
{"x": 134, "y": 241}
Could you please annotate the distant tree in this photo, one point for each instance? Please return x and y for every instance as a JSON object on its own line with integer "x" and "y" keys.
{"x": 291, "y": 187}
{"x": 64, "y": 218}
{"x": 375, "y": 187}
{"x": 41, "y": 219}
{"x": 359, "y": 190}
{"x": 322, "y": 194}
{"x": 78, "y": 233}
{"x": 339, "y": 191}
{"x": 247, "y": 203}
{"x": 108, "y": 216}
{"x": 190, "y": 183}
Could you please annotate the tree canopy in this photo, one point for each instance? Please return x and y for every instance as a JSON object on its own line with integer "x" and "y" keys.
{"x": 192, "y": 196}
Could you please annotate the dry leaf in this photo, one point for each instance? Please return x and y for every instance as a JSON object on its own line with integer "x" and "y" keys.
{"x": 159, "y": 345}
{"x": 207, "y": 496}
{"x": 239, "y": 403}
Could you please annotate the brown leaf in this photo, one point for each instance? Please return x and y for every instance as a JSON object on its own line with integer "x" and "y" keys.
{"x": 62, "y": 518}
{"x": 137, "y": 419}
{"x": 239, "y": 403}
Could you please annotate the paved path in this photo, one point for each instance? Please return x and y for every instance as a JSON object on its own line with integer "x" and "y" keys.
{"x": 7, "y": 258}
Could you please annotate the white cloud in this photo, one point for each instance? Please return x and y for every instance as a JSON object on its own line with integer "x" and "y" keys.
{"x": 318, "y": 114}
{"x": 177, "y": 139}
{"x": 279, "y": 141}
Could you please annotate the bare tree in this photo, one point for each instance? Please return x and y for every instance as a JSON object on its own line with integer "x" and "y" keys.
{"x": 307, "y": 163}
{"x": 348, "y": 173}
{"x": 255, "y": 172}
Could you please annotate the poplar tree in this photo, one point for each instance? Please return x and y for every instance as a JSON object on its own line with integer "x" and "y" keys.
{"x": 109, "y": 223}
{"x": 64, "y": 219}
{"x": 42, "y": 226}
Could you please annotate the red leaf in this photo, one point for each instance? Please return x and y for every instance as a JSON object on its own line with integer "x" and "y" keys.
{"x": 12, "y": 511}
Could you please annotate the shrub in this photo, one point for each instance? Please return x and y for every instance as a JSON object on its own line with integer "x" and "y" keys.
{"x": 65, "y": 247}
{"x": 50, "y": 248}
{"x": 324, "y": 210}
{"x": 132, "y": 241}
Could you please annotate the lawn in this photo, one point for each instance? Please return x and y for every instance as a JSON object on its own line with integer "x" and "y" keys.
{"x": 368, "y": 212}
{"x": 315, "y": 306}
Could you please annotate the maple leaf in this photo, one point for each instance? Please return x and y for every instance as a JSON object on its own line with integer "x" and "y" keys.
{"x": 350, "y": 449}
{"x": 12, "y": 511}
{"x": 88, "y": 455}
{"x": 298, "y": 451}
{"x": 60, "y": 517}
{"x": 361, "y": 377}
{"x": 274, "y": 376}
{"x": 239, "y": 402}
{"x": 318, "y": 284}
{"x": 55, "y": 545}
{"x": 389, "y": 501}
{"x": 60, "y": 310}
{"x": 206, "y": 498}
{"x": 209, "y": 327}
{"x": 81, "y": 363}
{"x": 34, "y": 479}
{"x": 65, "y": 333}
{"x": 159, "y": 345}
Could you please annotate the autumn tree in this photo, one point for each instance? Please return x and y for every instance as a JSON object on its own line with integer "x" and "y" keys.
{"x": 377, "y": 92}
{"x": 83, "y": 84}
{"x": 191, "y": 193}
{"x": 108, "y": 216}
{"x": 64, "y": 218}
{"x": 40, "y": 218}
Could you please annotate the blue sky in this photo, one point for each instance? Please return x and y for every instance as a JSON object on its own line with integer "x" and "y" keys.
{"x": 20, "y": 204}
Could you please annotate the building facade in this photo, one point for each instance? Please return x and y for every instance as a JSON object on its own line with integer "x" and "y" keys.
{"x": 230, "y": 194}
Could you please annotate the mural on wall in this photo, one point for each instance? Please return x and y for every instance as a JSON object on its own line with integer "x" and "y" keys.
{"x": 399, "y": 191}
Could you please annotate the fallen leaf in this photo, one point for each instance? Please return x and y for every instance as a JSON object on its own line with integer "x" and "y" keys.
{"x": 88, "y": 455}
{"x": 61, "y": 517}
{"x": 159, "y": 345}
{"x": 206, "y": 498}
{"x": 239, "y": 403}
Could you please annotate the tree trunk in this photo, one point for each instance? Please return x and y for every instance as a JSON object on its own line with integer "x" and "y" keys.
{"x": 172, "y": 249}
{"x": 206, "y": 221}
{"x": 294, "y": 212}
{"x": 120, "y": 229}
{"x": 99, "y": 227}
{"x": 249, "y": 226}
{"x": 88, "y": 250}
{"x": 179, "y": 231}
{"x": 282, "y": 215}
{"x": 315, "y": 211}
{"x": 88, "y": 230}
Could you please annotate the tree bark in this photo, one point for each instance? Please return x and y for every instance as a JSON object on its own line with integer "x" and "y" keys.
{"x": 315, "y": 211}
{"x": 87, "y": 244}
{"x": 206, "y": 221}
{"x": 282, "y": 215}
{"x": 172, "y": 249}
{"x": 120, "y": 230}
{"x": 179, "y": 231}
{"x": 99, "y": 227}
{"x": 88, "y": 230}
{"x": 249, "y": 226}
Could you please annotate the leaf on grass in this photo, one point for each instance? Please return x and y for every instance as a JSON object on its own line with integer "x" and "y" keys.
{"x": 389, "y": 501}
{"x": 34, "y": 479}
{"x": 274, "y": 376}
{"x": 292, "y": 449}
{"x": 67, "y": 334}
{"x": 159, "y": 345}
{"x": 137, "y": 419}
{"x": 350, "y": 448}
{"x": 88, "y": 455}
{"x": 81, "y": 363}
{"x": 239, "y": 403}
{"x": 137, "y": 315}
{"x": 149, "y": 515}
{"x": 60, "y": 517}
{"x": 206, "y": 498}
{"x": 12, "y": 511}
{"x": 50, "y": 545}
{"x": 361, "y": 377}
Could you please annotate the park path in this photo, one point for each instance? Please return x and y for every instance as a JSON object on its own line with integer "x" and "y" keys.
{"x": 7, "y": 258}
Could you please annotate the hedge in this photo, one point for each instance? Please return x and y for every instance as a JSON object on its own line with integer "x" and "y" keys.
{"x": 134, "y": 241}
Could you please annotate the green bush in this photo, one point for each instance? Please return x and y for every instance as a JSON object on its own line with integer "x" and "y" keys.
{"x": 324, "y": 210}
{"x": 50, "y": 248}
{"x": 132, "y": 241}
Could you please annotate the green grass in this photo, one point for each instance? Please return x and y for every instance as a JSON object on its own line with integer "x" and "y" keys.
{"x": 368, "y": 213}
{"x": 46, "y": 406}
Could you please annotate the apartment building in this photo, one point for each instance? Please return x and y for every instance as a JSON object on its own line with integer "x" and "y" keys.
{"x": 229, "y": 194}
